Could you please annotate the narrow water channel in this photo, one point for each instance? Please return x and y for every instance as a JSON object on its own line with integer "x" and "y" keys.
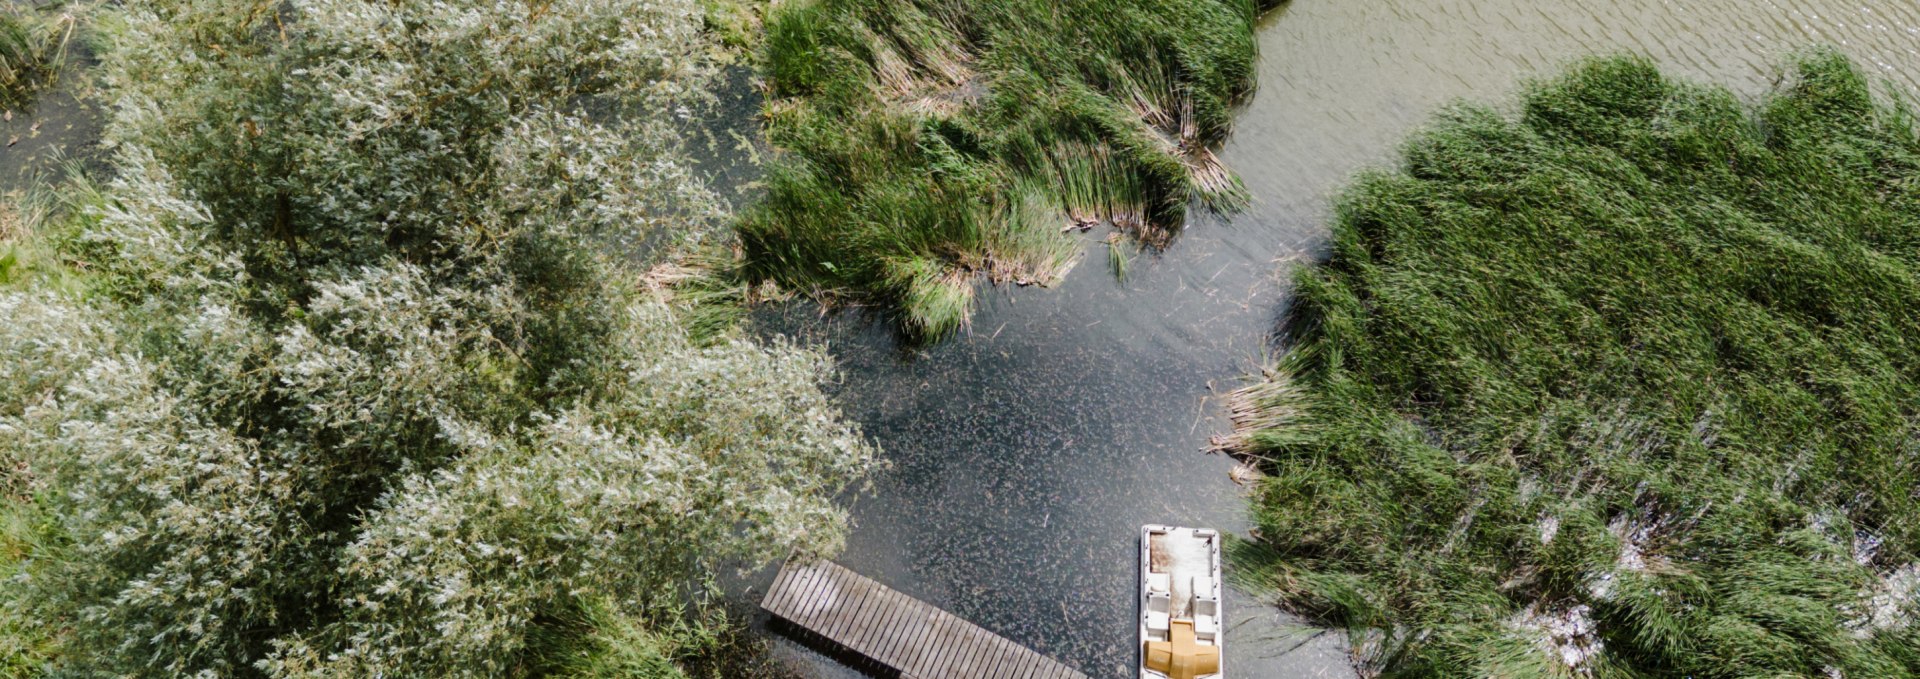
{"x": 1026, "y": 453}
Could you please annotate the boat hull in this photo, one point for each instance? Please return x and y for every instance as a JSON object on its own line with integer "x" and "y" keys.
{"x": 1181, "y": 635}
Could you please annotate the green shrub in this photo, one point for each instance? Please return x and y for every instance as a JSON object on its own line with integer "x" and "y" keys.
{"x": 923, "y": 138}
{"x": 1622, "y": 387}
{"x": 353, "y": 391}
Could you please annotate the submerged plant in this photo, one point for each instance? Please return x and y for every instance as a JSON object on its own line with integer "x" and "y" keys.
{"x": 1623, "y": 387}
{"x": 921, "y": 136}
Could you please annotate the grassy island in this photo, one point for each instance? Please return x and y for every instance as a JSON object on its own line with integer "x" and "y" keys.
{"x": 1626, "y": 384}
{"x": 932, "y": 143}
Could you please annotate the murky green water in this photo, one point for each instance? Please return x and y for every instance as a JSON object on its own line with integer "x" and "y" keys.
{"x": 1027, "y": 453}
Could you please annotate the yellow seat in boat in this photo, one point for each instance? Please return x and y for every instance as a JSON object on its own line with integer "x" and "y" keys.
{"x": 1180, "y": 657}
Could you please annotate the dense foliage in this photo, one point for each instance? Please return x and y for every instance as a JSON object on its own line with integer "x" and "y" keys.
{"x": 934, "y": 142}
{"x": 1625, "y": 386}
{"x": 352, "y": 392}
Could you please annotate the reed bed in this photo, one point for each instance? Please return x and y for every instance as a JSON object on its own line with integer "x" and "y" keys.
{"x": 1624, "y": 386}
{"x": 921, "y": 138}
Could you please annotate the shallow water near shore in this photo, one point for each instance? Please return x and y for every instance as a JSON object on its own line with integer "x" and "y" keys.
{"x": 57, "y": 125}
{"x": 1027, "y": 452}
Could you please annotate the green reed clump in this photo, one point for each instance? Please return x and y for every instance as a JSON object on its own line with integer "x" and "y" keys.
{"x": 29, "y": 51}
{"x": 921, "y": 134}
{"x": 1626, "y": 386}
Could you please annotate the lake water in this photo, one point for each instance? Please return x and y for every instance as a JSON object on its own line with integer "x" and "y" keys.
{"x": 1027, "y": 452}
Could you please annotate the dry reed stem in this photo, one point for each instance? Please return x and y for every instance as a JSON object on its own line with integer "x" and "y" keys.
{"x": 1270, "y": 404}
{"x": 1211, "y": 175}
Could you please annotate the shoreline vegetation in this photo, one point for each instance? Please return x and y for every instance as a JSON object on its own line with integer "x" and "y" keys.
{"x": 335, "y": 369}
{"x": 1622, "y": 386}
{"x": 400, "y": 337}
{"x": 928, "y": 145}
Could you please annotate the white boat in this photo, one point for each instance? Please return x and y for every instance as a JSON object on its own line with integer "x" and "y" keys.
{"x": 1180, "y": 634}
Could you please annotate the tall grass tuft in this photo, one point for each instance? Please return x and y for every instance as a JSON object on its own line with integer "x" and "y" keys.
{"x": 912, "y": 130}
{"x": 30, "y": 49}
{"x": 1625, "y": 386}
{"x": 41, "y": 227}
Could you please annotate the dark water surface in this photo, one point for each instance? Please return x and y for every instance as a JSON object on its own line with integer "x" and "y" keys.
{"x": 1026, "y": 453}
{"x": 57, "y": 125}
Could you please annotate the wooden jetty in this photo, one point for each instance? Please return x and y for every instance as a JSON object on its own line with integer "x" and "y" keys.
{"x": 898, "y": 632}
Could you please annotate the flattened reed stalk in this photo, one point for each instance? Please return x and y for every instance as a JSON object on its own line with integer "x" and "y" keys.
{"x": 29, "y": 50}
{"x": 912, "y": 129}
{"x": 1622, "y": 387}
{"x": 1094, "y": 187}
{"x": 19, "y": 57}
{"x": 699, "y": 285}
{"x": 937, "y": 298}
{"x": 1023, "y": 243}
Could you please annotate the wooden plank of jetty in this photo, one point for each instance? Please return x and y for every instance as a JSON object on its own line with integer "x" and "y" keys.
{"x": 897, "y": 631}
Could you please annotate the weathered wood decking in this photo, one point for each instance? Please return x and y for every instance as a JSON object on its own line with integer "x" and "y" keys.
{"x": 897, "y": 631}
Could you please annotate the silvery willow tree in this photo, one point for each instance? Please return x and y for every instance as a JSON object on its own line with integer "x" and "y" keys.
{"x": 357, "y": 392}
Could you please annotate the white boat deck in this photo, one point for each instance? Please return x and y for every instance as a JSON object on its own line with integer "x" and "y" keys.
{"x": 1180, "y": 589}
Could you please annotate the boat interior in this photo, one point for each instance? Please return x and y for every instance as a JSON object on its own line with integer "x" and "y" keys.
{"x": 1182, "y": 625}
